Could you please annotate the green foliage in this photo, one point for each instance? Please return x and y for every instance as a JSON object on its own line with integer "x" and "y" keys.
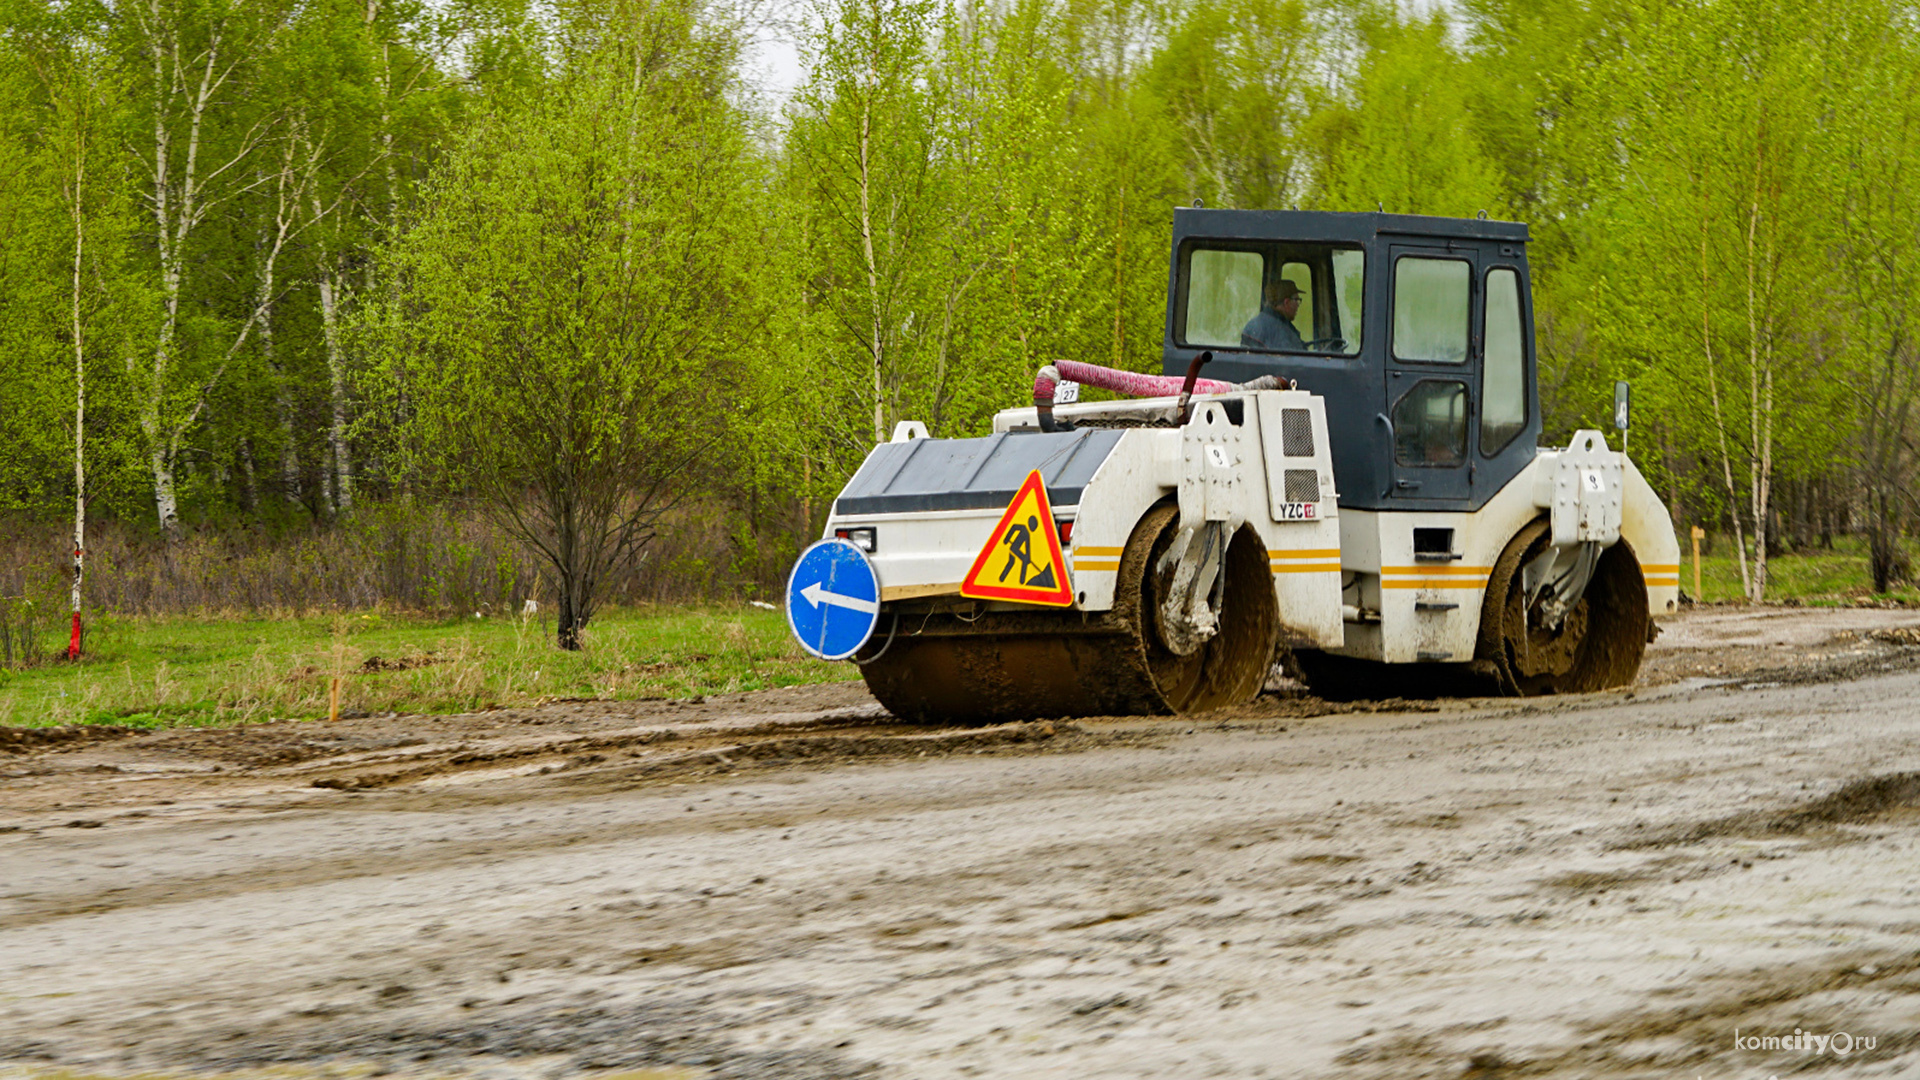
{"x": 571, "y": 254}
{"x": 567, "y": 313}
{"x": 1406, "y": 142}
{"x": 1232, "y": 85}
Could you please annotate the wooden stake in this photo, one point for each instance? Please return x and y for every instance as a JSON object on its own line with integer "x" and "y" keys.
{"x": 1698, "y": 533}
{"x": 339, "y": 667}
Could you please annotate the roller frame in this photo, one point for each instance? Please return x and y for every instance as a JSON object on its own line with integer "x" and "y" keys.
{"x": 1346, "y": 583}
{"x": 1398, "y": 606}
{"x": 922, "y": 556}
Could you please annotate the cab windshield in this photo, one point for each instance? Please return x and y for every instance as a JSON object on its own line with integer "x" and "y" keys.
{"x": 1270, "y": 297}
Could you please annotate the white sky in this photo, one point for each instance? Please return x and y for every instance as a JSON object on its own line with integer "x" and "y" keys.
{"x": 773, "y": 58}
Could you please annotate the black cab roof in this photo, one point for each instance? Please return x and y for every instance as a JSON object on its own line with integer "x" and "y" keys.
{"x": 1319, "y": 225}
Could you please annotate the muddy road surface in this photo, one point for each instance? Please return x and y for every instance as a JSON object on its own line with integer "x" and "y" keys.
{"x": 1661, "y": 882}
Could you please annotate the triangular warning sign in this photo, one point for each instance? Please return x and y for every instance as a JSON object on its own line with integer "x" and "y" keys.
{"x": 1022, "y": 560}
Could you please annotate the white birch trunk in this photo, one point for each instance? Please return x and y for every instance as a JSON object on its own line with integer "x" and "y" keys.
{"x": 1760, "y": 394}
{"x": 79, "y": 401}
{"x": 249, "y": 476}
{"x": 1119, "y": 285}
{"x": 1719, "y": 417}
{"x": 290, "y": 484}
{"x": 164, "y": 499}
{"x": 180, "y": 203}
{"x": 873, "y": 267}
{"x": 337, "y": 371}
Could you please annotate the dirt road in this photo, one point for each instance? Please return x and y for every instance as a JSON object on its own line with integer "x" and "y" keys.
{"x": 1641, "y": 883}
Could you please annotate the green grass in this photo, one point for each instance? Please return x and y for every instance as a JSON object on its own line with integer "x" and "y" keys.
{"x": 1814, "y": 576}
{"x": 165, "y": 672}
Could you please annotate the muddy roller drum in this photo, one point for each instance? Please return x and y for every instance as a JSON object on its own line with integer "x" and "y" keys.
{"x": 965, "y": 666}
{"x": 1597, "y": 645}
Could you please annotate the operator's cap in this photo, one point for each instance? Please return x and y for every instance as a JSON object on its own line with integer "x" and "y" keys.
{"x": 1284, "y": 290}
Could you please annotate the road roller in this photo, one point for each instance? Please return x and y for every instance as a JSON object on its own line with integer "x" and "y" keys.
{"x": 1337, "y": 472}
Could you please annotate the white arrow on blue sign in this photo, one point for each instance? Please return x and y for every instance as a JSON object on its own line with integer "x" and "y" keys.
{"x": 833, "y": 599}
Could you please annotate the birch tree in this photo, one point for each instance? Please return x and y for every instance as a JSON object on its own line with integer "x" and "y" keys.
{"x": 75, "y": 155}
{"x": 365, "y": 79}
{"x": 559, "y": 332}
{"x": 1017, "y": 247}
{"x": 863, "y": 141}
{"x": 73, "y": 86}
{"x": 1688, "y": 250}
{"x": 199, "y": 56}
{"x": 1233, "y": 80}
{"x": 1402, "y": 136}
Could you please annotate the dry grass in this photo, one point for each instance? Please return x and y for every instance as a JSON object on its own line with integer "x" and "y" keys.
{"x": 397, "y": 555}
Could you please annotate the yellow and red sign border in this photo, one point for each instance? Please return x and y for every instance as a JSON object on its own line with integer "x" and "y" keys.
{"x": 1061, "y": 595}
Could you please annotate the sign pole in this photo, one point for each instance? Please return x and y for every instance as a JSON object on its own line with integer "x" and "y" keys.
{"x": 1622, "y": 411}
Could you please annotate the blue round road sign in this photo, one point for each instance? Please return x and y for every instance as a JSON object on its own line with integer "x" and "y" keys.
{"x": 833, "y": 599}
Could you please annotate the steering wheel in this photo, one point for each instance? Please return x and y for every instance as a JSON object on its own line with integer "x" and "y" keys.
{"x": 1328, "y": 344}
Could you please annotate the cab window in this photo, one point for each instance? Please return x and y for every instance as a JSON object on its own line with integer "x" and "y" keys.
{"x": 1430, "y": 424}
{"x": 1430, "y": 310}
{"x": 1272, "y": 297}
{"x": 1223, "y": 292}
{"x": 1503, "y": 386}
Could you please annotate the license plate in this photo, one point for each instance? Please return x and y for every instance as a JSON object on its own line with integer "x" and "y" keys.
{"x": 1297, "y": 512}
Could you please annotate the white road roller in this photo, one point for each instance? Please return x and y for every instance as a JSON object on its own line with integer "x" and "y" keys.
{"x": 1355, "y": 488}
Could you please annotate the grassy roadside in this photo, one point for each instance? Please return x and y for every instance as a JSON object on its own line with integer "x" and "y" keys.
{"x": 172, "y": 671}
{"x": 1816, "y": 577}
{"x": 165, "y": 672}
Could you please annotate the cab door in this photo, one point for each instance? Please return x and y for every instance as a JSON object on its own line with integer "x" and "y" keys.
{"x": 1432, "y": 378}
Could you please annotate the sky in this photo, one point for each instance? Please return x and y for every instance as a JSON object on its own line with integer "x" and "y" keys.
{"x": 773, "y": 56}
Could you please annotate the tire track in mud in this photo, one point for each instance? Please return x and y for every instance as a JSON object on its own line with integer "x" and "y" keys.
{"x": 829, "y": 739}
{"x": 280, "y": 765}
{"x": 775, "y": 751}
{"x": 584, "y": 765}
{"x": 1692, "y": 1035}
{"x": 666, "y": 1034}
{"x": 1365, "y": 888}
{"x": 740, "y": 754}
{"x": 1857, "y": 802}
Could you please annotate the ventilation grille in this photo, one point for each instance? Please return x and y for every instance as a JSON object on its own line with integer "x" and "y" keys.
{"x": 1296, "y": 433}
{"x": 1303, "y": 485}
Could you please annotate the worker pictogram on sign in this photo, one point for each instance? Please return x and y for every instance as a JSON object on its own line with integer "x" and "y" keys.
{"x": 1022, "y": 560}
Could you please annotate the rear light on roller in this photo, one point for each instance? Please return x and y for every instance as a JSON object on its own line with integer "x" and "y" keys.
{"x": 1065, "y": 528}
{"x": 863, "y": 538}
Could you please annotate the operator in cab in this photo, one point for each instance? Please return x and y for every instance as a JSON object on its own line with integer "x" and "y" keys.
{"x": 1272, "y": 329}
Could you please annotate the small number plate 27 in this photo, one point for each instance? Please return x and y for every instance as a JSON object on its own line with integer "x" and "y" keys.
{"x": 1297, "y": 512}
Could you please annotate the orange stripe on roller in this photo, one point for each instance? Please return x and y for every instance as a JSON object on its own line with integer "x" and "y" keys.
{"x": 1661, "y": 568}
{"x": 1432, "y": 571}
{"x": 1304, "y": 553}
{"x": 1079, "y": 551}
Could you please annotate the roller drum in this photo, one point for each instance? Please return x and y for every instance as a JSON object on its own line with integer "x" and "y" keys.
{"x": 1000, "y": 666}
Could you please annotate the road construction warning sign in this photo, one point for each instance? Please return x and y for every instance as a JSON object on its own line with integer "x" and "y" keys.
{"x": 1022, "y": 560}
